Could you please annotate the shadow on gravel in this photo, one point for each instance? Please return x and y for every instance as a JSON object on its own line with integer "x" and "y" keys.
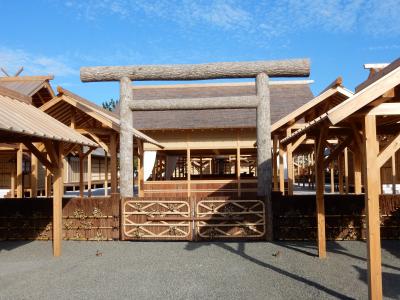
{"x": 10, "y": 245}
{"x": 241, "y": 252}
{"x": 390, "y": 282}
{"x": 310, "y": 249}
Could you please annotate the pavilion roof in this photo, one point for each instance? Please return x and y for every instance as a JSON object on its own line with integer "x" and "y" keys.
{"x": 363, "y": 101}
{"x": 286, "y": 96}
{"x": 17, "y": 116}
{"x": 37, "y": 87}
{"x": 88, "y": 115}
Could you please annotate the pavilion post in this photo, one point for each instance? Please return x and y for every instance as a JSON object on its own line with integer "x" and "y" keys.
{"x": 126, "y": 139}
{"x": 20, "y": 178}
{"x": 346, "y": 170}
{"x": 340, "y": 173}
{"x": 332, "y": 178}
{"x": 188, "y": 170}
{"x": 57, "y": 200}
{"x": 105, "y": 173}
{"x": 81, "y": 185}
{"x": 357, "y": 172}
{"x": 113, "y": 163}
{"x": 89, "y": 174}
{"x": 320, "y": 188}
{"x": 281, "y": 170}
{"x": 264, "y": 164}
{"x": 47, "y": 188}
{"x": 12, "y": 187}
{"x": 275, "y": 162}
{"x": 34, "y": 175}
{"x": 140, "y": 169}
{"x": 289, "y": 162}
{"x": 372, "y": 189}
{"x": 394, "y": 173}
{"x": 237, "y": 169}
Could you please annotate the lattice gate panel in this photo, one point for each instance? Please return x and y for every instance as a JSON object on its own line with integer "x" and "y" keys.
{"x": 230, "y": 219}
{"x": 156, "y": 220}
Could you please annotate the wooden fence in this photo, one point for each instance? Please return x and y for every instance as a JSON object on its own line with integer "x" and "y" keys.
{"x": 84, "y": 219}
{"x": 295, "y": 218}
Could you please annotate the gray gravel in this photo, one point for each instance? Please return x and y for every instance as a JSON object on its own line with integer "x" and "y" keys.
{"x": 180, "y": 270}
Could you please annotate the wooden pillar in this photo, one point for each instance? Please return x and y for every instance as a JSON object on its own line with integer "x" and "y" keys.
{"x": 357, "y": 172}
{"x": 34, "y": 175}
{"x": 332, "y": 178}
{"x": 346, "y": 170}
{"x": 48, "y": 183}
{"x": 58, "y": 189}
{"x": 20, "y": 177}
{"x": 188, "y": 170}
{"x": 140, "y": 168}
{"x": 12, "y": 187}
{"x": 126, "y": 139}
{"x": 394, "y": 173}
{"x": 264, "y": 164}
{"x": 89, "y": 174}
{"x": 113, "y": 163}
{"x": 372, "y": 189}
{"x": 239, "y": 189}
{"x": 275, "y": 162}
{"x": 105, "y": 173}
{"x": 81, "y": 185}
{"x": 320, "y": 189}
{"x": 340, "y": 175}
{"x": 289, "y": 162}
{"x": 281, "y": 170}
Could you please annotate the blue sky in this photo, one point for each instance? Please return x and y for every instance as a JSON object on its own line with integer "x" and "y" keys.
{"x": 58, "y": 37}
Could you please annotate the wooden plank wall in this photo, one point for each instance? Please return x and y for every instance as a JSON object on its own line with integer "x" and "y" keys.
{"x": 83, "y": 218}
{"x": 294, "y": 217}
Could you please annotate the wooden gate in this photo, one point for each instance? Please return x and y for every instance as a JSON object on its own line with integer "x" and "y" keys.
{"x": 185, "y": 219}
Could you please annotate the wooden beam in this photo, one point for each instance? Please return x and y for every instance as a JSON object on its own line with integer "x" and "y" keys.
{"x": 372, "y": 189}
{"x": 338, "y": 150}
{"x": 386, "y": 109}
{"x": 126, "y": 139}
{"x": 332, "y": 177}
{"x": 195, "y": 103}
{"x": 283, "y": 68}
{"x": 299, "y": 141}
{"x": 388, "y": 151}
{"x": 289, "y": 163}
{"x": 73, "y": 117}
{"x": 357, "y": 171}
{"x": 20, "y": 176}
{"x": 81, "y": 168}
{"x": 57, "y": 200}
{"x": 340, "y": 173}
{"x": 99, "y": 141}
{"x": 39, "y": 155}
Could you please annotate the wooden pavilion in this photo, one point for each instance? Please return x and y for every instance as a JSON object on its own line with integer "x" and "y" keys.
{"x": 368, "y": 122}
{"x": 217, "y": 146}
{"x": 101, "y": 126}
{"x": 46, "y": 138}
{"x": 330, "y": 97}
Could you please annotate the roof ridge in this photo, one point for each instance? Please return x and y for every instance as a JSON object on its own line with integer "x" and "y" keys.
{"x": 27, "y": 78}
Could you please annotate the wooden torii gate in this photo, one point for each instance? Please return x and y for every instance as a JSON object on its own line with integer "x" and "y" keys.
{"x": 261, "y": 70}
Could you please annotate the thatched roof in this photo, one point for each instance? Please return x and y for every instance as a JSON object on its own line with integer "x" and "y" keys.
{"x": 286, "y": 97}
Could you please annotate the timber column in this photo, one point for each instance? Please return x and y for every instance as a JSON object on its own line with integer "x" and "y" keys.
{"x": 126, "y": 139}
{"x": 264, "y": 166}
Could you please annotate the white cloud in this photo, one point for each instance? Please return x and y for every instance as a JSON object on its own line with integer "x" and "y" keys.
{"x": 13, "y": 59}
{"x": 272, "y": 18}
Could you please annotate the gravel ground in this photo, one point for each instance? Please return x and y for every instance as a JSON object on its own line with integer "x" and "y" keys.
{"x": 180, "y": 270}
